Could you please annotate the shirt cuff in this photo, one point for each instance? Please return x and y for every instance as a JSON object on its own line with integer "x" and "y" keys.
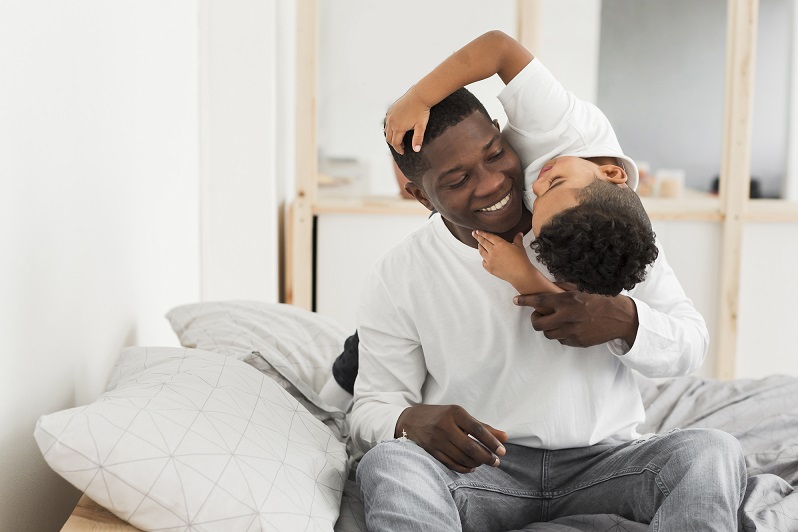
{"x": 392, "y": 417}
{"x": 620, "y": 348}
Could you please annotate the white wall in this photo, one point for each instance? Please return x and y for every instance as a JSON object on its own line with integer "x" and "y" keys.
{"x": 661, "y": 83}
{"x": 99, "y": 221}
{"x": 109, "y": 216}
{"x": 343, "y": 262}
{"x": 569, "y": 37}
{"x": 693, "y": 251}
{"x": 768, "y": 291}
{"x": 371, "y": 52}
{"x": 246, "y": 141}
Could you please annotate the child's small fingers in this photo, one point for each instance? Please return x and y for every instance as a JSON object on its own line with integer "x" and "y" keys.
{"x": 394, "y": 140}
{"x": 481, "y": 238}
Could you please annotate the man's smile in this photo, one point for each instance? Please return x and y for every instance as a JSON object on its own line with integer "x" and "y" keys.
{"x": 499, "y": 204}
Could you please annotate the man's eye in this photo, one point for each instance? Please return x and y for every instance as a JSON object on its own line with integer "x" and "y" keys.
{"x": 459, "y": 183}
{"x": 496, "y": 156}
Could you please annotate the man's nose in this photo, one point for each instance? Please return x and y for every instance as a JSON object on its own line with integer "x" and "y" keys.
{"x": 490, "y": 182}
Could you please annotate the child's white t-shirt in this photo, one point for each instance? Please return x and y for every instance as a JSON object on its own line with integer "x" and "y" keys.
{"x": 546, "y": 121}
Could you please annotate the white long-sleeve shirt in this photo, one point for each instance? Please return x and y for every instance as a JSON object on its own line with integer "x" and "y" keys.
{"x": 436, "y": 328}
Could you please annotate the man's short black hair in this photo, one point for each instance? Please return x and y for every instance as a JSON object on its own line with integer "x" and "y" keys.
{"x": 450, "y": 111}
{"x": 603, "y": 245}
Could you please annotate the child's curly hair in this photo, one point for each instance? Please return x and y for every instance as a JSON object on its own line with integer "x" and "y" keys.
{"x": 603, "y": 245}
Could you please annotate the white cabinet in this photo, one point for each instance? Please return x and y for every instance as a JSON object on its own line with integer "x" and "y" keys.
{"x": 347, "y": 244}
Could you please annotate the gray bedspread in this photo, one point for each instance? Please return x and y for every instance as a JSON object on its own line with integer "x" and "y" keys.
{"x": 762, "y": 414}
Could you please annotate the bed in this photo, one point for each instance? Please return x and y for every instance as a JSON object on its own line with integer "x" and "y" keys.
{"x": 233, "y": 432}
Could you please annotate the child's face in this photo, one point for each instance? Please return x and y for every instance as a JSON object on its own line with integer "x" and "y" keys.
{"x": 560, "y": 181}
{"x": 475, "y": 180}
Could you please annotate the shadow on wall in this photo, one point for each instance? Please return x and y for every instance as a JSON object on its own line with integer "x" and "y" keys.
{"x": 31, "y": 492}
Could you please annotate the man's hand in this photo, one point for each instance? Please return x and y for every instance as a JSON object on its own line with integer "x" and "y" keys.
{"x": 407, "y": 113}
{"x": 579, "y": 319}
{"x": 443, "y": 431}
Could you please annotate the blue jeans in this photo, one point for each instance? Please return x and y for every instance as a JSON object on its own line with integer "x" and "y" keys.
{"x": 691, "y": 479}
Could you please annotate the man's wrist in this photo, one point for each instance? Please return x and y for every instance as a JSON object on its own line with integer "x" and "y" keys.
{"x": 398, "y": 429}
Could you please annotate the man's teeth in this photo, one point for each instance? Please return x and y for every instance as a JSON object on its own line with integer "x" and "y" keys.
{"x": 496, "y": 206}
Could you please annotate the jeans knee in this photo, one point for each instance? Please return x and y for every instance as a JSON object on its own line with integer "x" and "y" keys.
{"x": 712, "y": 454}
{"x": 391, "y": 458}
{"x": 717, "y": 446}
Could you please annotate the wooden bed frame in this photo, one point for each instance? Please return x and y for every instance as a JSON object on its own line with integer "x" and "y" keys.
{"x": 88, "y": 516}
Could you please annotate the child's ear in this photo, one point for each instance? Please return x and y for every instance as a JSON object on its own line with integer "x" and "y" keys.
{"x": 614, "y": 174}
{"x": 418, "y": 193}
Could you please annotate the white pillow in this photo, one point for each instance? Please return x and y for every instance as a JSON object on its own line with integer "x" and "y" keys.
{"x": 298, "y": 344}
{"x": 199, "y": 441}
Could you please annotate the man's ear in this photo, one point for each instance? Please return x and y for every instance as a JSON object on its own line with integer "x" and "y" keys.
{"x": 614, "y": 174}
{"x": 418, "y": 193}
{"x": 496, "y": 124}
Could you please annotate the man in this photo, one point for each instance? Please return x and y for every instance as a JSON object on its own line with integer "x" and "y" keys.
{"x": 488, "y": 424}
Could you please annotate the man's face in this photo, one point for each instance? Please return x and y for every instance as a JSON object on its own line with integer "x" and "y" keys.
{"x": 560, "y": 181}
{"x": 475, "y": 180}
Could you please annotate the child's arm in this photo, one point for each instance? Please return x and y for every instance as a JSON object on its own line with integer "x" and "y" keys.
{"x": 494, "y": 52}
{"x": 511, "y": 263}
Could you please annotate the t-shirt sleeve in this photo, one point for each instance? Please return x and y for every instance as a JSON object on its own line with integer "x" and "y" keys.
{"x": 392, "y": 369}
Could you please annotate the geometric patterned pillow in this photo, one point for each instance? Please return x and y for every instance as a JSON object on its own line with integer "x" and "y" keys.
{"x": 298, "y": 344}
{"x": 199, "y": 441}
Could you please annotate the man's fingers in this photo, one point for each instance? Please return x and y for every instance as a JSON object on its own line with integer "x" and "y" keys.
{"x": 544, "y": 300}
{"x": 546, "y": 322}
{"x": 555, "y": 334}
{"x": 570, "y": 342}
{"x": 451, "y": 464}
{"x": 481, "y": 433}
{"x": 501, "y": 436}
{"x": 474, "y": 451}
{"x": 462, "y": 454}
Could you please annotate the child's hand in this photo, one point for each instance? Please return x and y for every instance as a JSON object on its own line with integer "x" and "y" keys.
{"x": 504, "y": 260}
{"x": 407, "y": 113}
{"x": 511, "y": 263}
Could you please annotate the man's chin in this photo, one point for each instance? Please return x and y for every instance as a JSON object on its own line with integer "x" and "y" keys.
{"x": 501, "y": 226}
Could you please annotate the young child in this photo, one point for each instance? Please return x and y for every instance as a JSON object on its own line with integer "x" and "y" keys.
{"x": 591, "y": 227}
